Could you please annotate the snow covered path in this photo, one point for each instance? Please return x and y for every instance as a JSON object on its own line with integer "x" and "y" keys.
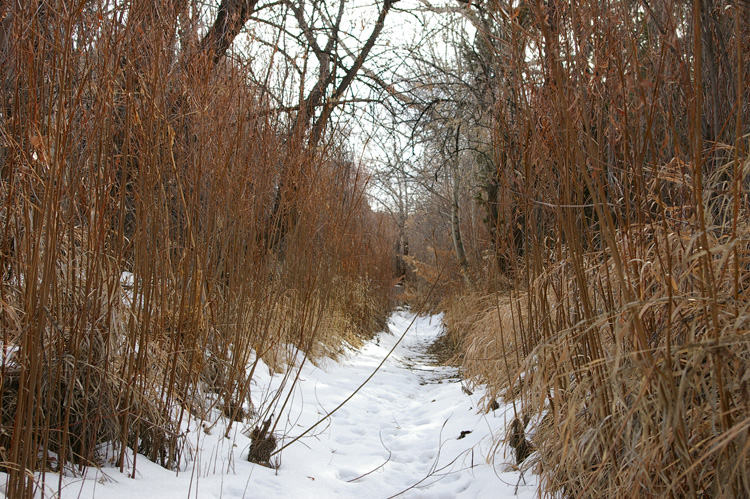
{"x": 401, "y": 434}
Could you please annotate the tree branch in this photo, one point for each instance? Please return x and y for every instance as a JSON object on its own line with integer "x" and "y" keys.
{"x": 320, "y": 123}
{"x": 231, "y": 17}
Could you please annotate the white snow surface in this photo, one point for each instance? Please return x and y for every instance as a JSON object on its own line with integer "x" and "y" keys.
{"x": 398, "y": 436}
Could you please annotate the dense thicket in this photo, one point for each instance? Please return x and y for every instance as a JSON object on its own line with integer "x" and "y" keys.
{"x": 170, "y": 212}
{"x": 620, "y": 210}
{"x": 161, "y": 226}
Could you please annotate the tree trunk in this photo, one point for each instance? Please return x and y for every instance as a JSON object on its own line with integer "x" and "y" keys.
{"x": 458, "y": 242}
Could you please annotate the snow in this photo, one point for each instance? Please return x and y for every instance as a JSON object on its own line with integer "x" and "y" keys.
{"x": 399, "y": 434}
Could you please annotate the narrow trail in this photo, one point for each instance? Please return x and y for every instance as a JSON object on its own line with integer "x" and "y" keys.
{"x": 401, "y": 432}
{"x": 412, "y": 430}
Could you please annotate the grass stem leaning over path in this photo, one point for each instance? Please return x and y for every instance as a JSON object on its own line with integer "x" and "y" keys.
{"x": 424, "y": 301}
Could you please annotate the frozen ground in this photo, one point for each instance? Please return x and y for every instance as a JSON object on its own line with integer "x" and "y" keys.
{"x": 398, "y": 436}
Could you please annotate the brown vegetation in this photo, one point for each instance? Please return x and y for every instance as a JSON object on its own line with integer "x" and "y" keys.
{"x": 168, "y": 217}
{"x": 148, "y": 245}
{"x": 622, "y": 151}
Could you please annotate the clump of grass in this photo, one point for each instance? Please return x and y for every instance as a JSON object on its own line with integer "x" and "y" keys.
{"x": 482, "y": 326}
{"x": 675, "y": 403}
{"x": 616, "y": 409}
{"x": 262, "y": 445}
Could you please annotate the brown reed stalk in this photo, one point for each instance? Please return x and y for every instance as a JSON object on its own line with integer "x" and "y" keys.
{"x": 630, "y": 312}
{"x": 139, "y": 267}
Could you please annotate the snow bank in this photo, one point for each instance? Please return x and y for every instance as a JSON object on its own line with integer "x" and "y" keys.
{"x": 411, "y": 430}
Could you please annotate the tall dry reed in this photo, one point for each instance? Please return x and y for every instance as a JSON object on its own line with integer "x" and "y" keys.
{"x": 621, "y": 148}
{"x": 146, "y": 247}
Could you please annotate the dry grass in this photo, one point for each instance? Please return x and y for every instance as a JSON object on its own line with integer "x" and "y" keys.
{"x": 678, "y": 405}
{"x": 148, "y": 245}
{"x": 622, "y": 151}
{"x": 615, "y": 412}
{"x": 481, "y": 325}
